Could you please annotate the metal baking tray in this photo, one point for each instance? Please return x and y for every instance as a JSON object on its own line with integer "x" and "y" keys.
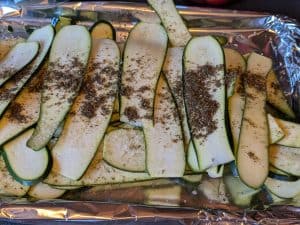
{"x": 275, "y": 36}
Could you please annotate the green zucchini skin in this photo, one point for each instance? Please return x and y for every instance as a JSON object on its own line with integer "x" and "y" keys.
{"x": 113, "y": 37}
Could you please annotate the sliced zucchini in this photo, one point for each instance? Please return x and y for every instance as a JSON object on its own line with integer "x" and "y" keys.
{"x": 192, "y": 159}
{"x": 68, "y": 58}
{"x": 172, "y": 69}
{"x": 277, "y": 171}
{"x": 66, "y": 188}
{"x": 240, "y": 193}
{"x": 103, "y": 29}
{"x": 142, "y": 61}
{"x": 283, "y": 189}
{"x": 91, "y": 112}
{"x": 61, "y": 21}
{"x": 7, "y": 44}
{"x": 276, "y": 97}
{"x": 276, "y": 199}
{"x": 8, "y": 92}
{"x": 8, "y": 185}
{"x": 24, "y": 164}
{"x": 285, "y": 158}
{"x": 172, "y": 21}
{"x": 125, "y": 149}
{"x": 204, "y": 91}
{"x": 98, "y": 172}
{"x": 291, "y": 133}
{"x": 45, "y": 191}
{"x": 252, "y": 154}
{"x": 17, "y": 58}
{"x": 216, "y": 171}
{"x": 235, "y": 67}
{"x": 166, "y": 196}
{"x": 24, "y": 110}
{"x": 276, "y": 133}
{"x": 193, "y": 178}
{"x": 164, "y": 141}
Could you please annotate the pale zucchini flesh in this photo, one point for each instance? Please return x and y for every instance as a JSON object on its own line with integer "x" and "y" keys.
{"x": 69, "y": 55}
{"x": 277, "y": 171}
{"x": 276, "y": 133}
{"x": 252, "y": 154}
{"x": 90, "y": 114}
{"x": 192, "y": 159}
{"x": 17, "y": 58}
{"x": 285, "y": 158}
{"x": 173, "y": 71}
{"x": 283, "y": 189}
{"x": 125, "y": 149}
{"x": 204, "y": 64}
{"x": 166, "y": 196}
{"x": 164, "y": 142}
{"x": 24, "y": 110}
{"x": 291, "y": 133}
{"x": 8, "y": 92}
{"x": 172, "y": 21}
{"x": 103, "y": 29}
{"x": 142, "y": 62}
{"x": 44, "y": 191}
{"x": 25, "y": 165}
{"x": 7, "y": 44}
{"x": 216, "y": 171}
{"x": 8, "y": 185}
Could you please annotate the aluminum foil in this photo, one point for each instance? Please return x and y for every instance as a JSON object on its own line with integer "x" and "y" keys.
{"x": 275, "y": 36}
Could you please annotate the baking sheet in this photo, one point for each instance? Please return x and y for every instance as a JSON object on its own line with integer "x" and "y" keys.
{"x": 275, "y": 36}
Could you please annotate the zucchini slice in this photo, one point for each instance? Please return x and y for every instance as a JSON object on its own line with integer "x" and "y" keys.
{"x": 283, "y": 189}
{"x": 44, "y": 191}
{"x": 252, "y": 154}
{"x": 7, "y": 44}
{"x": 172, "y": 21}
{"x": 17, "y": 58}
{"x": 235, "y": 67}
{"x": 275, "y": 95}
{"x": 8, "y": 185}
{"x": 24, "y": 111}
{"x": 277, "y": 171}
{"x": 68, "y": 58}
{"x": 91, "y": 112}
{"x": 192, "y": 178}
{"x": 204, "y": 91}
{"x": 103, "y": 29}
{"x": 172, "y": 69}
{"x": 98, "y": 172}
{"x": 285, "y": 158}
{"x": 192, "y": 159}
{"x": 240, "y": 193}
{"x": 291, "y": 133}
{"x": 143, "y": 58}
{"x": 216, "y": 171}
{"x": 276, "y": 133}
{"x": 125, "y": 149}
{"x": 164, "y": 141}
{"x": 166, "y": 196}
{"x": 44, "y": 37}
{"x": 24, "y": 164}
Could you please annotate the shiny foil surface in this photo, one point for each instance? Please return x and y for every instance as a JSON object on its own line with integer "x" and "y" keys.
{"x": 275, "y": 36}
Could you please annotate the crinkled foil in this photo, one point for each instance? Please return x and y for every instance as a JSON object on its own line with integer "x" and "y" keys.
{"x": 275, "y": 36}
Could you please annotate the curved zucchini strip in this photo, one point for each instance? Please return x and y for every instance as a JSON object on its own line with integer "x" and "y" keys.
{"x": 204, "y": 91}
{"x": 91, "y": 112}
{"x": 24, "y": 111}
{"x": 277, "y": 171}
{"x": 24, "y": 164}
{"x": 173, "y": 71}
{"x": 193, "y": 178}
{"x": 44, "y": 191}
{"x": 103, "y": 29}
{"x": 67, "y": 61}
{"x": 8, "y": 92}
{"x": 17, "y": 58}
{"x": 164, "y": 141}
{"x": 172, "y": 21}
{"x": 275, "y": 95}
{"x": 291, "y": 133}
{"x": 276, "y": 133}
{"x": 166, "y": 196}
{"x": 283, "y": 189}
{"x": 143, "y": 58}
{"x": 7, "y": 44}
{"x": 252, "y": 154}
{"x": 214, "y": 190}
{"x": 285, "y": 158}
{"x": 125, "y": 149}
{"x": 216, "y": 171}
{"x": 192, "y": 159}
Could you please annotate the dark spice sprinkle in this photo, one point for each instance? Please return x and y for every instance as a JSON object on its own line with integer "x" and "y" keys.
{"x": 6, "y": 73}
{"x": 201, "y": 106}
{"x": 253, "y": 156}
{"x": 256, "y": 81}
{"x": 131, "y": 113}
{"x": 15, "y": 113}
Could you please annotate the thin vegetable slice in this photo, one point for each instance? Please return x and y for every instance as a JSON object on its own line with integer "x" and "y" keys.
{"x": 276, "y": 133}
{"x": 167, "y": 196}
{"x": 103, "y": 29}
{"x": 142, "y": 62}
{"x": 283, "y": 189}
{"x": 252, "y": 154}
{"x": 45, "y": 191}
{"x": 68, "y": 58}
{"x": 291, "y": 133}
{"x": 204, "y": 90}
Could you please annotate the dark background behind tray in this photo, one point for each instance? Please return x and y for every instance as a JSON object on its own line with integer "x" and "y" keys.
{"x": 290, "y": 8}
